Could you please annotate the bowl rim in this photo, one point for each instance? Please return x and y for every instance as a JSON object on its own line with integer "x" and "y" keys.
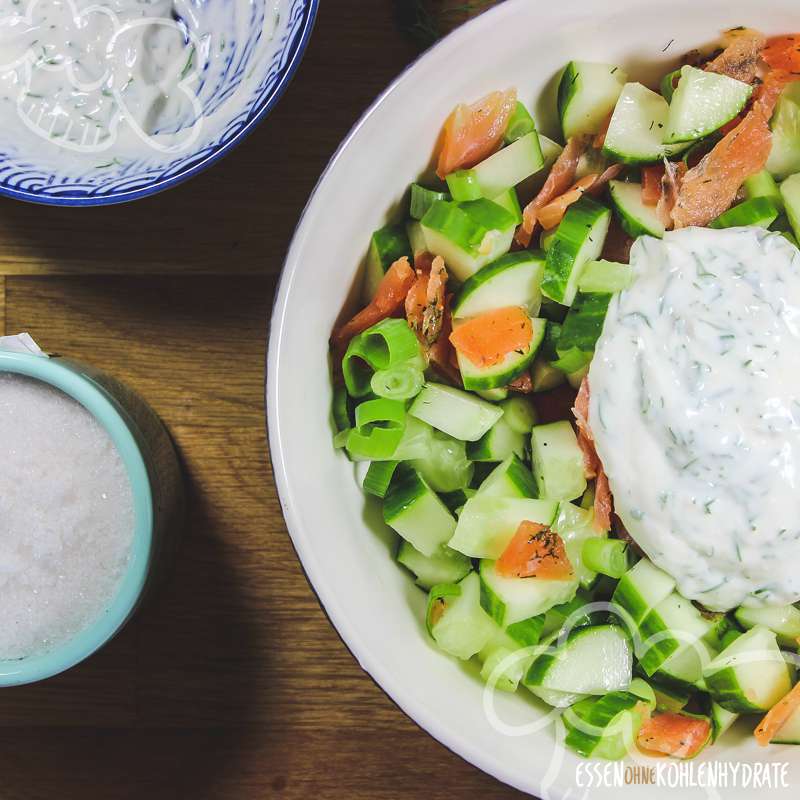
{"x": 361, "y": 651}
{"x": 292, "y": 65}
{"x": 15, "y": 672}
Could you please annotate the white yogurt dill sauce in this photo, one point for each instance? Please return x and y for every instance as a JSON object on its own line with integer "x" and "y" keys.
{"x": 695, "y": 409}
{"x": 88, "y": 83}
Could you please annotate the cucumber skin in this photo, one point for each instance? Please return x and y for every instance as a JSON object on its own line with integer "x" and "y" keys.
{"x": 407, "y": 486}
{"x": 439, "y": 592}
{"x": 601, "y": 713}
{"x": 528, "y": 631}
{"x": 584, "y": 323}
{"x": 563, "y": 253}
{"x": 760, "y": 211}
{"x": 727, "y": 693}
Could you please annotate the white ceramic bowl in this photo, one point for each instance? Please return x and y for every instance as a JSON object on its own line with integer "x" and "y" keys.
{"x": 339, "y": 537}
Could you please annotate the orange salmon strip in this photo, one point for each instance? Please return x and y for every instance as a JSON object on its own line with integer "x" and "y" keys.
{"x": 487, "y": 339}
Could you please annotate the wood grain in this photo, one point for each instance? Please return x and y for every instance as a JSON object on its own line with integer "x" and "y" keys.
{"x": 230, "y": 683}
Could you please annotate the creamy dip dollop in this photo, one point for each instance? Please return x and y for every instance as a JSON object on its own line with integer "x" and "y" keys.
{"x": 87, "y": 83}
{"x": 695, "y": 410}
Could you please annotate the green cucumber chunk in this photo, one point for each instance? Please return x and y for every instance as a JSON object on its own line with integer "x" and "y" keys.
{"x": 604, "y": 727}
{"x": 587, "y": 93}
{"x": 416, "y": 512}
{"x": 605, "y": 276}
{"x": 760, "y": 212}
{"x": 511, "y": 478}
{"x": 520, "y": 124}
{"x": 459, "y": 414}
{"x": 513, "y": 280}
{"x": 499, "y": 443}
{"x": 784, "y": 158}
{"x": 579, "y": 239}
{"x": 750, "y": 675}
{"x": 583, "y": 325}
{"x": 636, "y": 132}
{"x": 636, "y": 218}
{"x": 702, "y": 103}
{"x": 641, "y": 589}
{"x": 422, "y": 199}
{"x": 784, "y": 621}
{"x": 557, "y": 461}
{"x": 762, "y": 184}
{"x": 790, "y": 191}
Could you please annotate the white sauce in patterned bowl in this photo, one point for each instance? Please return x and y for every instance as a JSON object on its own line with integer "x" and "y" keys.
{"x": 695, "y": 410}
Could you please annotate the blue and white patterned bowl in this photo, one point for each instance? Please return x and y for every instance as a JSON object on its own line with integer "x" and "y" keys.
{"x": 268, "y": 72}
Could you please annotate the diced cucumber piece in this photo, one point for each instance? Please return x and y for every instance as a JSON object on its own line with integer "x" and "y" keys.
{"x": 501, "y": 668}
{"x": 587, "y": 93}
{"x": 513, "y": 280}
{"x": 790, "y": 191}
{"x": 468, "y": 236}
{"x": 545, "y": 377}
{"x": 456, "y": 620}
{"x": 721, "y": 626}
{"x": 444, "y": 566}
{"x": 579, "y": 239}
{"x": 557, "y": 461}
{"x": 501, "y": 171}
{"x": 789, "y": 732}
{"x": 422, "y": 199}
{"x": 575, "y": 526}
{"x": 457, "y": 413}
{"x": 509, "y": 200}
{"x": 673, "y": 625}
{"x": 636, "y": 218}
{"x": 520, "y": 124}
{"x": 509, "y": 479}
{"x": 784, "y": 621}
{"x": 487, "y": 524}
{"x": 644, "y": 691}
{"x": 445, "y": 467}
{"x": 762, "y": 184}
{"x": 641, "y": 589}
{"x": 387, "y": 246}
{"x": 510, "y": 600}
{"x": 497, "y": 444}
{"x": 415, "y": 511}
{"x": 749, "y": 675}
{"x": 636, "y": 132}
{"x": 784, "y": 158}
{"x": 702, "y": 103}
{"x": 519, "y": 413}
{"x": 684, "y": 668}
{"x": 546, "y": 238}
{"x": 760, "y": 211}
{"x": 604, "y": 727}
{"x": 555, "y": 698}
{"x": 721, "y": 720}
{"x": 605, "y": 276}
{"x": 510, "y": 367}
{"x": 605, "y": 649}
{"x": 583, "y": 325}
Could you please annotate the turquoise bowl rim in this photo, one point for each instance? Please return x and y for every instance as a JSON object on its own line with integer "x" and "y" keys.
{"x": 98, "y": 403}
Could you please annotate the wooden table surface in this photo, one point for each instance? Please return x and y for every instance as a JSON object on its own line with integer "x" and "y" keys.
{"x": 231, "y": 683}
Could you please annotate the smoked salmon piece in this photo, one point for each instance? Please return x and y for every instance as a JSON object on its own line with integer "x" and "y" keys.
{"x": 535, "y": 552}
{"x": 561, "y": 177}
{"x": 390, "y": 296}
{"x": 472, "y": 133}
{"x": 552, "y": 214}
{"x": 739, "y": 59}
{"x": 424, "y": 302}
{"x": 783, "y": 52}
{"x": 651, "y": 184}
{"x": 777, "y": 716}
{"x": 674, "y": 734}
{"x": 487, "y": 339}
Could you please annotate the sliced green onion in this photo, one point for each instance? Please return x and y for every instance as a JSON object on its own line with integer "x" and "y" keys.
{"x": 607, "y": 556}
{"x": 385, "y": 345}
{"x": 464, "y": 186}
{"x": 730, "y": 637}
{"x": 342, "y": 415}
{"x": 398, "y": 383}
{"x": 379, "y": 428}
{"x": 519, "y": 413}
{"x": 422, "y": 199}
{"x": 378, "y": 477}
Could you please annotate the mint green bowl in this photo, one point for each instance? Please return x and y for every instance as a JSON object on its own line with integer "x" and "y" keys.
{"x": 82, "y": 384}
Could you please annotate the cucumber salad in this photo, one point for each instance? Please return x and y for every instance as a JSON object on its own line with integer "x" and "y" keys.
{"x": 572, "y": 385}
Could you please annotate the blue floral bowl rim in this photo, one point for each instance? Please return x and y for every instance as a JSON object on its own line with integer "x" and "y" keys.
{"x": 271, "y": 100}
